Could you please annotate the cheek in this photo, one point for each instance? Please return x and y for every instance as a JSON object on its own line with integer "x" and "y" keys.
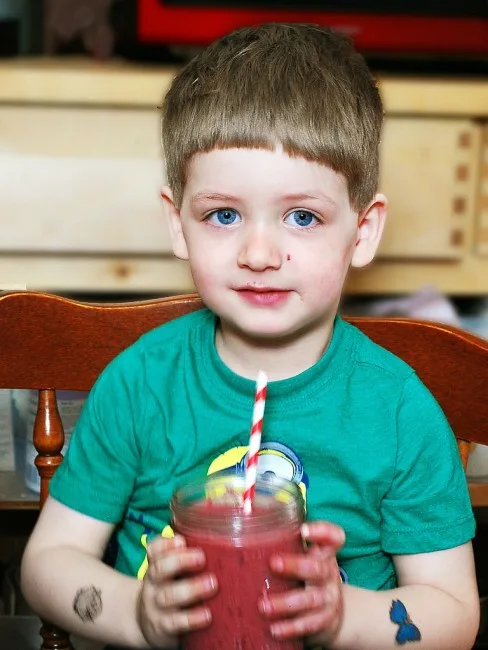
{"x": 328, "y": 285}
{"x": 331, "y": 259}
{"x": 325, "y": 273}
{"x": 207, "y": 269}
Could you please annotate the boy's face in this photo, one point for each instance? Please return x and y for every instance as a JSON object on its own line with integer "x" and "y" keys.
{"x": 270, "y": 239}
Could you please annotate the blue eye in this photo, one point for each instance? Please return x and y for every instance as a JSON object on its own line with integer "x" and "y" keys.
{"x": 224, "y": 217}
{"x": 301, "y": 218}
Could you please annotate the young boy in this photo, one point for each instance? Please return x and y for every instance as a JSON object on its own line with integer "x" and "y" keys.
{"x": 271, "y": 141}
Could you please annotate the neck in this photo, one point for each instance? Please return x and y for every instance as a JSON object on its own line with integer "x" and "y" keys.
{"x": 280, "y": 359}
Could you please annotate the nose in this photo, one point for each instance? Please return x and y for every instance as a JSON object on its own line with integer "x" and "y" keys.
{"x": 260, "y": 249}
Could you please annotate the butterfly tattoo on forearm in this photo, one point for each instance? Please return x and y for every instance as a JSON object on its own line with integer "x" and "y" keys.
{"x": 407, "y": 631}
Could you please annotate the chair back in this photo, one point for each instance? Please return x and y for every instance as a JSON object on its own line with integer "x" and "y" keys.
{"x": 49, "y": 343}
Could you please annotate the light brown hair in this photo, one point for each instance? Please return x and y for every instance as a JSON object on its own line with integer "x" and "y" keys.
{"x": 300, "y": 85}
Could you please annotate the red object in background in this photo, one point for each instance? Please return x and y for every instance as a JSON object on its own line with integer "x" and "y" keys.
{"x": 171, "y": 24}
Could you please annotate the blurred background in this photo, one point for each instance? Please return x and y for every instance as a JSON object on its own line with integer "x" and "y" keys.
{"x": 81, "y": 168}
{"x": 80, "y": 159}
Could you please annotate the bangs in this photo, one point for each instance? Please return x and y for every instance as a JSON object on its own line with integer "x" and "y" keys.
{"x": 297, "y": 86}
{"x": 256, "y": 127}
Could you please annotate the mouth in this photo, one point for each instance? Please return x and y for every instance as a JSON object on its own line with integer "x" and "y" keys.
{"x": 263, "y": 296}
{"x": 258, "y": 289}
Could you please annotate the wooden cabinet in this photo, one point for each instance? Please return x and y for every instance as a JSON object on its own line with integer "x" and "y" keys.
{"x": 81, "y": 171}
{"x": 434, "y": 172}
{"x": 481, "y": 235}
{"x": 80, "y": 177}
{"x": 429, "y": 172}
{"x": 81, "y": 180}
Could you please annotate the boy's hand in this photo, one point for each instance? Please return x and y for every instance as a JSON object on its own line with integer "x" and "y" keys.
{"x": 169, "y": 604}
{"x": 315, "y": 611}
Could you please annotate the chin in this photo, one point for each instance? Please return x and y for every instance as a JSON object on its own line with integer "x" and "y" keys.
{"x": 266, "y": 335}
{"x": 266, "y": 332}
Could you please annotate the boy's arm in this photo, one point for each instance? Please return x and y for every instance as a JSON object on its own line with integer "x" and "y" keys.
{"x": 437, "y": 596}
{"x": 435, "y": 607}
{"x": 65, "y": 581}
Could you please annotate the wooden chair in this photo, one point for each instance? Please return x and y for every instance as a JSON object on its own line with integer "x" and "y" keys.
{"x": 51, "y": 343}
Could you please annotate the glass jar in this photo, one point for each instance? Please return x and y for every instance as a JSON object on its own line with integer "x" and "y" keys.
{"x": 209, "y": 514}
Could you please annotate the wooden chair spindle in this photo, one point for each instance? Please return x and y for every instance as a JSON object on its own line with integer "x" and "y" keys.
{"x": 48, "y": 438}
{"x": 53, "y": 638}
{"x": 49, "y": 441}
{"x": 465, "y": 448}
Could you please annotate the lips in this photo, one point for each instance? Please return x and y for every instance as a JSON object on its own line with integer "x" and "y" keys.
{"x": 263, "y": 296}
{"x": 250, "y": 287}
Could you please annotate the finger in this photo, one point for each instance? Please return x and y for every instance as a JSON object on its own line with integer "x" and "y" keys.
{"x": 174, "y": 563}
{"x": 184, "y": 593}
{"x": 293, "y": 602}
{"x": 325, "y": 554}
{"x": 177, "y": 622}
{"x": 310, "y": 567}
{"x": 161, "y": 545}
{"x": 307, "y": 625}
{"x": 323, "y": 533}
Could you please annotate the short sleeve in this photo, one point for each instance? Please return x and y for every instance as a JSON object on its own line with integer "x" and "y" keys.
{"x": 427, "y": 507}
{"x": 98, "y": 473}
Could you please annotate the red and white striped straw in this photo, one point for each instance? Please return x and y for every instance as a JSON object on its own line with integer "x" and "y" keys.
{"x": 255, "y": 442}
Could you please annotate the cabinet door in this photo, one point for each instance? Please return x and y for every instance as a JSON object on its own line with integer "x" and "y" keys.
{"x": 80, "y": 179}
{"x": 481, "y": 234}
{"x": 428, "y": 170}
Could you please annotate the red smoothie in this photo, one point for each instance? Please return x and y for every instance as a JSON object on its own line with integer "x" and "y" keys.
{"x": 241, "y": 564}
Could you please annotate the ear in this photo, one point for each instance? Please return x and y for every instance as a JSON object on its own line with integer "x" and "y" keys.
{"x": 370, "y": 228}
{"x": 173, "y": 217}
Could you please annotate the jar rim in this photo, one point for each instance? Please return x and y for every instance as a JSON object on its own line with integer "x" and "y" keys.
{"x": 277, "y": 502}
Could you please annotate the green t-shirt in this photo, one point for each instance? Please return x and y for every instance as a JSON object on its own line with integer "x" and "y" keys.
{"x": 359, "y": 432}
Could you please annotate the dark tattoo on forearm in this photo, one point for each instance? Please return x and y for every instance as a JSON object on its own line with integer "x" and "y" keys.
{"x": 407, "y": 631}
{"x": 88, "y": 603}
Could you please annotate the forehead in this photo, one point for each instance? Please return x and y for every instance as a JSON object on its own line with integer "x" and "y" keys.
{"x": 238, "y": 171}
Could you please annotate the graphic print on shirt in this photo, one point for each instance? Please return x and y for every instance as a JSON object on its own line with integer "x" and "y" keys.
{"x": 274, "y": 458}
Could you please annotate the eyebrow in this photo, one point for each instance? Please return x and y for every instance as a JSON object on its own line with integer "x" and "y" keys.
{"x": 205, "y": 195}
{"x": 297, "y": 198}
